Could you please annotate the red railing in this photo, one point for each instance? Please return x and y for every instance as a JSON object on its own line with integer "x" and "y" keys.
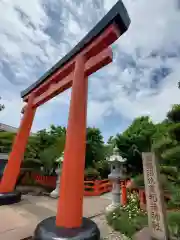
{"x": 97, "y": 187}
{"x": 91, "y": 188}
{"x": 48, "y": 181}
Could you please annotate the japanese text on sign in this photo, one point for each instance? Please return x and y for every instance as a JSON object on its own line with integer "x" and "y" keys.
{"x": 155, "y": 216}
{"x": 154, "y": 202}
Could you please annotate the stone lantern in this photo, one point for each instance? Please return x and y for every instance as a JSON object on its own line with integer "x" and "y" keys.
{"x": 116, "y": 176}
{"x": 55, "y": 192}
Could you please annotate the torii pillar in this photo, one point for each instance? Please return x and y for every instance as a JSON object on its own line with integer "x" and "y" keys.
{"x": 89, "y": 55}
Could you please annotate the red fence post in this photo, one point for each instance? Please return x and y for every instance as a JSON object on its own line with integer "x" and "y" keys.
{"x": 123, "y": 193}
{"x": 142, "y": 198}
{"x": 96, "y": 187}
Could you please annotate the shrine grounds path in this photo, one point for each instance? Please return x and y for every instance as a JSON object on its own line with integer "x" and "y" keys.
{"x": 18, "y": 221}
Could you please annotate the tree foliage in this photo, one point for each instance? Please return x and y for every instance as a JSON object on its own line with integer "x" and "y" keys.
{"x": 94, "y": 146}
{"x": 6, "y": 139}
{"x": 47, "y": 145}
{"x": 167, "y": 145}
{"x": 174, "y": 114}
{"x": 44, "y": 148}
{"x": 1, "y": 106}
{"x": 135, "y": 140}
{"x": 142, "y": 135}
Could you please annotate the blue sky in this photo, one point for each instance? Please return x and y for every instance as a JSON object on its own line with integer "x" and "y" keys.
{"x": 141, "y": 80}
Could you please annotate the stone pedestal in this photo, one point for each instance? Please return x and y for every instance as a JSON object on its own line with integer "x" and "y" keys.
{"x": 115, "y": 196}
{"x": 47, "y": 230}
{"x": 55, "y": 192}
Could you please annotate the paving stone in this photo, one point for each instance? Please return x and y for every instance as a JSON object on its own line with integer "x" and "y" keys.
{"x": 10, "y": 219}
{"x": 19, "y": 220}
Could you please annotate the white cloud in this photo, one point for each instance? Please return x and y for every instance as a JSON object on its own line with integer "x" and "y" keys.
{"x": 96, "y": 111}
{"x": 154, "y": 27}
{"x": 13, "y": 111}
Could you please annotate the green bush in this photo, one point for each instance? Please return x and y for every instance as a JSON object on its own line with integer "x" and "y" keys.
{"x": 173, "y": 219}
{"x": 169, "y": 170}
{"x": 103, "y": 168}
{"x": 174, "y": 202}
{"x": 29, "y": 182}
{"x": 91, "y": 174}
{"x": 128, "y": 219}
{"x": 120, "y": 221}
{"x": 133, "y": 204}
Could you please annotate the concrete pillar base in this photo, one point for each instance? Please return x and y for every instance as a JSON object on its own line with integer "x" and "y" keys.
{"x": 47, "y": 230}
{"x": 10, "y": 198}
{"x": 54, "y": 193}
{"x": 112, "y": 207}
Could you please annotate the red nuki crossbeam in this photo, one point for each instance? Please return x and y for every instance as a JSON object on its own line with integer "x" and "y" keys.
{"x": 58, "y": 86}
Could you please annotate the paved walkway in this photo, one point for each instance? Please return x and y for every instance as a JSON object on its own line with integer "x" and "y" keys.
{"x": 18, "y": 221}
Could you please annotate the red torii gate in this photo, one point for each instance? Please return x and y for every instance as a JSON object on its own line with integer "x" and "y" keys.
{"x": 88, "y": 56}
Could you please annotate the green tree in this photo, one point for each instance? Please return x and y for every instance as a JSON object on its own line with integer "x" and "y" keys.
{"x": 137, "y": 138}
{"x": 1, "y": 106}
{"x": 174, "y": 114}
{"x": 56, "y": 132}
{"x": 168, "y": 145}
{"x": 49, "y": 156}
{"x": 111, "y": 140}
{"x": 44, "y": 147}
{"x": 36, "y": 144}
{"x": 6, "y": 139}
{"x": 94, "y": 146}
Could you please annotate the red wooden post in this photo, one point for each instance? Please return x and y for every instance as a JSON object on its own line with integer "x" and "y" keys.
{"x": 15, "y": 158}
{"x": 70, "y": 203}
{"x": 142, "y": 198}
{"x": 96, "y": 187}
{"x": 123, "y": 193}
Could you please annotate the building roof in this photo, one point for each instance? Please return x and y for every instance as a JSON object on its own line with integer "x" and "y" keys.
{"x": 118, "y": 15}
{"x": 4, "y": 156}
{"x": 7, "y": 128}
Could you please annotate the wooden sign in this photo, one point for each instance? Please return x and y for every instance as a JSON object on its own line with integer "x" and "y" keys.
{"x": 154, "y": 197}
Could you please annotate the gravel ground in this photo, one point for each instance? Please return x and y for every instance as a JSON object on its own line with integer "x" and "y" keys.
{"x": 106, "y": 231}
